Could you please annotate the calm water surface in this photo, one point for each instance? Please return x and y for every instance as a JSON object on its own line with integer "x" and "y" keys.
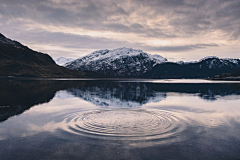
{"x": 128, "y": 119}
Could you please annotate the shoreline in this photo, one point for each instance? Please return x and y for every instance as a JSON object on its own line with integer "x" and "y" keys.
{"x": 166, "y": 81}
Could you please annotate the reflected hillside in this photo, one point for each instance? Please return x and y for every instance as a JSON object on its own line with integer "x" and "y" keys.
{"x": 17, "y": 96}
{"x": 20, "y": 95}
{"x": 206, "y": 91}
{"x": 118, "y": 94}
{"x": 132, "y": 94}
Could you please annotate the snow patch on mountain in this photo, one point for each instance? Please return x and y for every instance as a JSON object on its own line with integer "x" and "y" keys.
{"x": 61, "y": 61}
{"x": 236, "y": 61}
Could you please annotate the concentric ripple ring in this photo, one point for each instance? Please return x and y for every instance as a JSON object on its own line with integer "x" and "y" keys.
{"x": 125, "y": 124}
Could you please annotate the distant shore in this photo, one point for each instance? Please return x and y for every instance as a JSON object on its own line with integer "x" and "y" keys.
{"x": 225, "y": 79}
{"x": 186, "y": 81}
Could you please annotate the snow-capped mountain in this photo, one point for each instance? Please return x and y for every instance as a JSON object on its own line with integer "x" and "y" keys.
{"x": 61, "y": 61}
{"x": 213, "y": 62}
{"x": 206, "y": 67}
{"x": 120, "y": 62}
{"x": 128, "y": 62}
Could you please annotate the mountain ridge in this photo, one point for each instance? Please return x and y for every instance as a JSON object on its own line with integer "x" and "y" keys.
{"x": 204, "y": 68}
{"x": 20, "y": 61}
{"x": 131, "y": 63}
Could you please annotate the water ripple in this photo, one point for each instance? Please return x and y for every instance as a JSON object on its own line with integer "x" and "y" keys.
{"x": 125, "y": 124}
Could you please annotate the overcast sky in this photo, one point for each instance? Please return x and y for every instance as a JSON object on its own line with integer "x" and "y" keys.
{"x": 175, "y": 29}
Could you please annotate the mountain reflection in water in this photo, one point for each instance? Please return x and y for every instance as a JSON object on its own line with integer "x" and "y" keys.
{"x": 20, "y": 95}
{"x": 91, "y": 119}
{"x": 136, "y": 94}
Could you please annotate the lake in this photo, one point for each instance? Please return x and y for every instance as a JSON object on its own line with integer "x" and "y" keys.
{"x": 119, "y": 119}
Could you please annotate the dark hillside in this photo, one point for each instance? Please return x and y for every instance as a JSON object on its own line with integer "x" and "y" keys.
{"x": 171, "y": 70}
{"x": 203, "y": 69}
{"x": 19, "y": 60}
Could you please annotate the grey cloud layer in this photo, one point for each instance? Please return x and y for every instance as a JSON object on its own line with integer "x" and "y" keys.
{"x": 73, "y": 41}
{"x": 143, "y": 17}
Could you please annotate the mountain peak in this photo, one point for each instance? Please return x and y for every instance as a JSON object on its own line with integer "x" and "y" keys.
{"x": 119, "y": 53}
{"x": 208, "y": 57}
{"x": 7, "y": 41}
{"x": 2, "y": 36}
{"x": 114, "y": 54}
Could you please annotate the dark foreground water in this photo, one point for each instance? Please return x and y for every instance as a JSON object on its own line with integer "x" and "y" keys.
{"x": 93, "y": 119}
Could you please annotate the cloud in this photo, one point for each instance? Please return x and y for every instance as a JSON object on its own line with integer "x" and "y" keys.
{"x": 186, "y": 25}
{"x": 82, "y": 44}
{"x": 171, "y": 17}
{"x": 181, "y": 48}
